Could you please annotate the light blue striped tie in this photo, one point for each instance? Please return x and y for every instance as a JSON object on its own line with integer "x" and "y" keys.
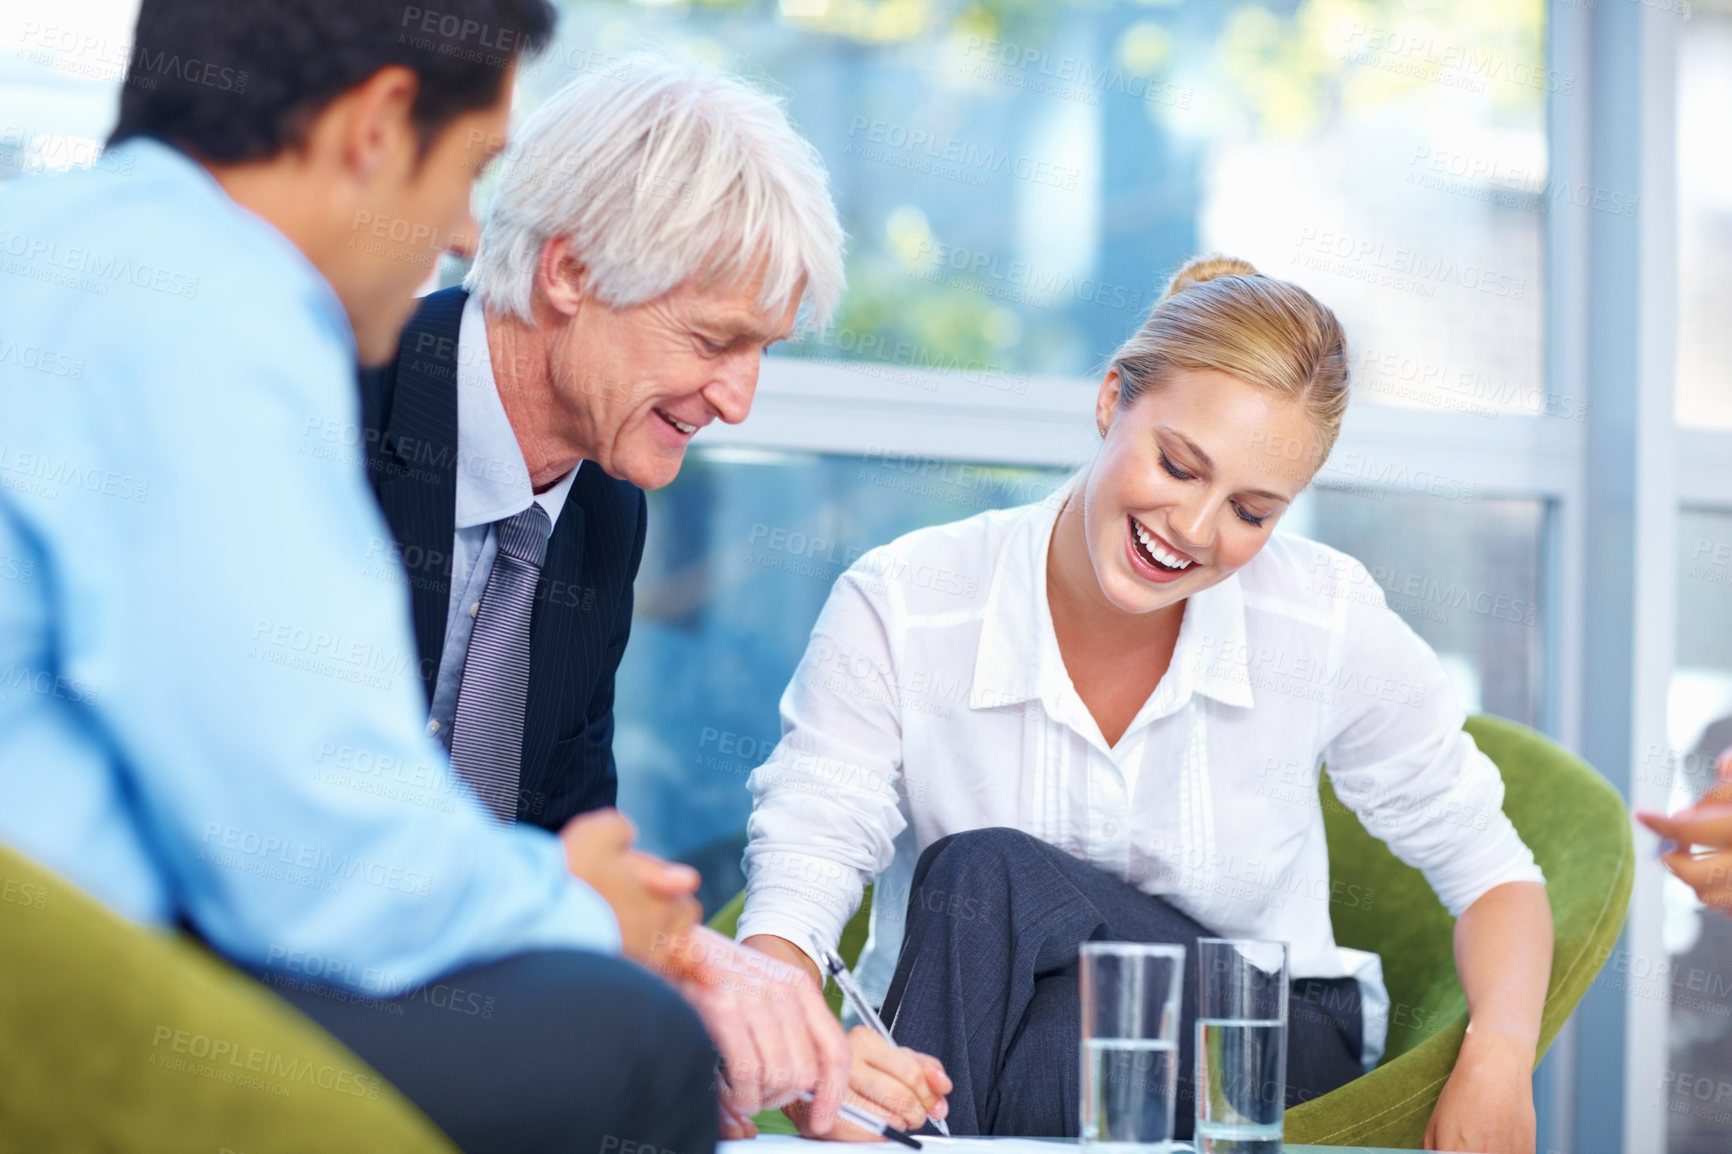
{"x": 487, "y": 732}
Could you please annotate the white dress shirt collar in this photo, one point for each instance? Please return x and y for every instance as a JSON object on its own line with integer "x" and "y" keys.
{"x": 492, "y": 478}
{"x": 1018, "y": 659}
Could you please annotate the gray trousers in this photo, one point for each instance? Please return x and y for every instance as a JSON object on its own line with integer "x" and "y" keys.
{"x": 987, "y": 982}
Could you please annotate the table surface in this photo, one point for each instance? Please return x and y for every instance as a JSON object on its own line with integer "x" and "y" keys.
{"x": 788, "y": 1144}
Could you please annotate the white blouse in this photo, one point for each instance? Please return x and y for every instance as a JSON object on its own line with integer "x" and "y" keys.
{"x": 932, "y": 699}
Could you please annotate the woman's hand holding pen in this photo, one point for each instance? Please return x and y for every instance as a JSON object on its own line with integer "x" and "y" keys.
{"x": 1706, "y": 823}
{"x": 892, "y": 1082}
{"x": 899, "y": 1085}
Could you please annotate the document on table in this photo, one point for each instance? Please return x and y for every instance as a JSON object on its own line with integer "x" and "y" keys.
{"x": 789, "y": 1144}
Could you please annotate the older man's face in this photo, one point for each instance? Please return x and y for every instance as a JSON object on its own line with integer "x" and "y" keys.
{"x": 638, "y": 383}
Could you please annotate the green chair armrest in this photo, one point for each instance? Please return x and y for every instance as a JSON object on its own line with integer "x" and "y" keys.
{"x": 122, "y": 1038}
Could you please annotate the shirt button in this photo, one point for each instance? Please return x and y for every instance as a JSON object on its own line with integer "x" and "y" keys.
{"x": 1109, "y": 829}
{"x": 474, "y": 609}
{"x": 433, "y": 728}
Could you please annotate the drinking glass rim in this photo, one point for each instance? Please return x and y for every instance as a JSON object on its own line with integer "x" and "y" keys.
{"x": 1286, "y": 946}
{"x": 1148, "y": 949}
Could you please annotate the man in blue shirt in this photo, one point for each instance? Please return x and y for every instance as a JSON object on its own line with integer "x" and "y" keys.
{"x": 210, "y": 710}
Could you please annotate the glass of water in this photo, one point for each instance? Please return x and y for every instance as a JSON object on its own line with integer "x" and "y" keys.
{"x": 1130, "y": 1034}
{"x": 1241, "y": 1075}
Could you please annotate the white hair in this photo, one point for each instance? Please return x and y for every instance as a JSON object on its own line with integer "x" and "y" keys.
{"x": 661, "y": 174}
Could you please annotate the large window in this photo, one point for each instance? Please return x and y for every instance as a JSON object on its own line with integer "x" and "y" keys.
{"x": 1705, "y": 218}
{"x": 1695, "y": 986}
{"x": 1018, "y": 180}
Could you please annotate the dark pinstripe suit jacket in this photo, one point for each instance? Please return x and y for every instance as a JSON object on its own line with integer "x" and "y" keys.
{"x": 583, "y": 608}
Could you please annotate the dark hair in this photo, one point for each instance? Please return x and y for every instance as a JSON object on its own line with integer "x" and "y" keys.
{"x": 238, "y": 80}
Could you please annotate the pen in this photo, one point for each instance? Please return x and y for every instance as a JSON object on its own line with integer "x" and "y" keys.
{"x": 862, "y": 1008}
{"x": 852, "y": 1113}
{"x": 872, "y": 1122}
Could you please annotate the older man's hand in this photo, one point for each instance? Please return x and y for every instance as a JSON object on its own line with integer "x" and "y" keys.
{"x": 776, "y": 1036}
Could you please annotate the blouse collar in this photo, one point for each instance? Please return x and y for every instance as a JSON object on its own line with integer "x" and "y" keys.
{"x": 1018, "y": 660}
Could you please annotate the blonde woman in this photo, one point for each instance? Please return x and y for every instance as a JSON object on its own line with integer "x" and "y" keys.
{"x": 1108, "y": 726}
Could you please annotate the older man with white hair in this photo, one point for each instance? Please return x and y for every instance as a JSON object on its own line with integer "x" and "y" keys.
{"x": 655, "y": 229}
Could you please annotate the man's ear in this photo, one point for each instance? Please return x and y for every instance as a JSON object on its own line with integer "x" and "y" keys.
{"x": 373, "y": 122}
{"x": 561, "y": 278}
{"x": 1107, "y": 401}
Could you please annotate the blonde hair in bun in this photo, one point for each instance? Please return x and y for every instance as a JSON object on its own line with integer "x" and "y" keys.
{"x": 1220, "y": 313}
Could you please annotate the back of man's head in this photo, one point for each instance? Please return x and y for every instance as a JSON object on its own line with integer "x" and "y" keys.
{"x": 230, "y": 81}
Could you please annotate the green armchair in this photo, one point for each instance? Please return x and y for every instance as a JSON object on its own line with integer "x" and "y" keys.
{"x": 121, "y": 1038}
{"x": 1589, "y": 862}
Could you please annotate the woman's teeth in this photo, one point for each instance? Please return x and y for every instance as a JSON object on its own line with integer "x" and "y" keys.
{"x": 1153, "y": 547}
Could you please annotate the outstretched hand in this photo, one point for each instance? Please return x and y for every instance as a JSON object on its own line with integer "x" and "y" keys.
{"x": 1707, "y": 823}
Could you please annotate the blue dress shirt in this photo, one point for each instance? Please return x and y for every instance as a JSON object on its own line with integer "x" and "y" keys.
{"x": 210, "y": 704}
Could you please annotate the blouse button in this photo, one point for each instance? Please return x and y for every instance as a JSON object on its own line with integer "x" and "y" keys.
{"x": 1110, "y": 829}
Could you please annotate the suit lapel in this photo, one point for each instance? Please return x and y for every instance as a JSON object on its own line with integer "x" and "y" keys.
{"x": 418, "y": 485}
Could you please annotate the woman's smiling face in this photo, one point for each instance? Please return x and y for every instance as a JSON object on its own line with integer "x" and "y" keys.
{"x": 1191, "y": 480}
